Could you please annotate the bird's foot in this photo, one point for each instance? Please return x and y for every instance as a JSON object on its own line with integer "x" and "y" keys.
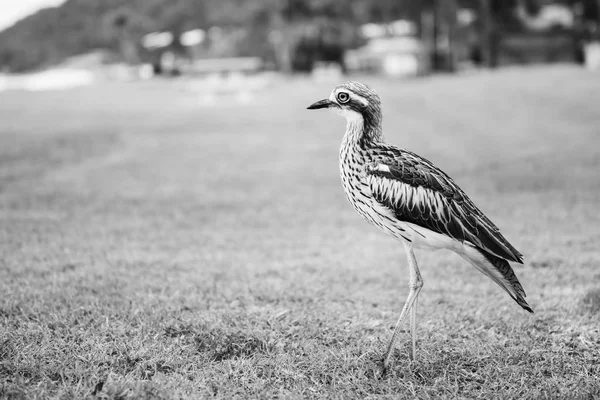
{"x": 386, "y": 362}
{"x": 383, "y": 369}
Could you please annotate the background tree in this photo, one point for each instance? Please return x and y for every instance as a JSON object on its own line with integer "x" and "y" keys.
{"x": 125, "y": 27}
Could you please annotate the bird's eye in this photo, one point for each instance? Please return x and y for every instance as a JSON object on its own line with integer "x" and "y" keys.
{"x": 343, "y": 97}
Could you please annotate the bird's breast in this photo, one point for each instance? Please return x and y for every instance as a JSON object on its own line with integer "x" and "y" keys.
{"x": 352, "y": 174}
{"x": 357, "y": 188}
{"x": 358, "y": 191}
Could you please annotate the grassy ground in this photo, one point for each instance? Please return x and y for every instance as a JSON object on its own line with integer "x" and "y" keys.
{"x": 155, "y": 247}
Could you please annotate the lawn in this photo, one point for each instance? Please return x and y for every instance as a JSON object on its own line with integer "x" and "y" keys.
{"x": 154, "y": 245}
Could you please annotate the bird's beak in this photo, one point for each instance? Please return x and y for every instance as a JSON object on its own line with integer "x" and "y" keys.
{"x": 326, "y": 103}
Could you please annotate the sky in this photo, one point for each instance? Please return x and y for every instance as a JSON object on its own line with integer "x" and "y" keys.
{"x": 13, "y": 10}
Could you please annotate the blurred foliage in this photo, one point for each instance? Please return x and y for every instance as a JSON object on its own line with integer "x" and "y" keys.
{"x": 78, "y": 26}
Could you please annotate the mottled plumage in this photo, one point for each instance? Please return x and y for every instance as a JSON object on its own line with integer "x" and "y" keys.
{"x": 414, "y": 201}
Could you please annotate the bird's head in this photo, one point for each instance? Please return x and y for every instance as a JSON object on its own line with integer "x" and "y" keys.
{"x": 353, "y": 100}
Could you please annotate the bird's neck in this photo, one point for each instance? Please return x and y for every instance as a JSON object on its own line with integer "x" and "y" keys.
{"x": 362, "y": 131}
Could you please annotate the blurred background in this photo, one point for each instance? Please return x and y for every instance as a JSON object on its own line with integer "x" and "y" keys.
{"x": 172, "y": 219}
{"x": 124, "y": 39}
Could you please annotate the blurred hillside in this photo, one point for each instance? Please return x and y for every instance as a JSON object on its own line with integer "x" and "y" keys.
{"x": 78, "y": 26}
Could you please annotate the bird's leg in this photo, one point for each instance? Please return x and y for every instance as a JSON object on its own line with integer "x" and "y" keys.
{"x": 415, "y": 285}
{"x": 413, "y": 328}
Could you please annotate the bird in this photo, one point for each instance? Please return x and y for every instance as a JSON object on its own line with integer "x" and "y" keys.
{"x": 417, "y": 203}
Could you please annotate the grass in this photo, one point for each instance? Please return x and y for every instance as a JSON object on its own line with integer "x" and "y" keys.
{"x": 155, "y": 247}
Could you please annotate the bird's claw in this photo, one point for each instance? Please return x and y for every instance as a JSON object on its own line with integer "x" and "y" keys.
{"x": 382, "y": 371}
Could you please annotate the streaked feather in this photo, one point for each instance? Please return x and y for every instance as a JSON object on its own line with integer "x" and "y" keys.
{"x": 420, "y": 193}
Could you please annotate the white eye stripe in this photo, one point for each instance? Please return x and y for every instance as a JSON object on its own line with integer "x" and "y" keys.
{"x": 360, "y": 99}
{"x": 353, "y": 96}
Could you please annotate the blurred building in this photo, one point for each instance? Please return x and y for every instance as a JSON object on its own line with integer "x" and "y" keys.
{"x": 394, "y": 49}
{"x": 447, "y": 35}
{"x": 506, "y": 32}
{"x": 392, "y": 37}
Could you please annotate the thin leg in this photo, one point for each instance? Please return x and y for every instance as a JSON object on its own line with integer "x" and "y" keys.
{"x": 415, "y": 285}
{"x": 413, "y": 327}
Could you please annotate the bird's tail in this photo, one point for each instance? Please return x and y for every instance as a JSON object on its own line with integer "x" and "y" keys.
{"x": 499, "y": 270}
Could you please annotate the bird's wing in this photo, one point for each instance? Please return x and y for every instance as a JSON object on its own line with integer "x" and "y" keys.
{"x": 420, "y": 193}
